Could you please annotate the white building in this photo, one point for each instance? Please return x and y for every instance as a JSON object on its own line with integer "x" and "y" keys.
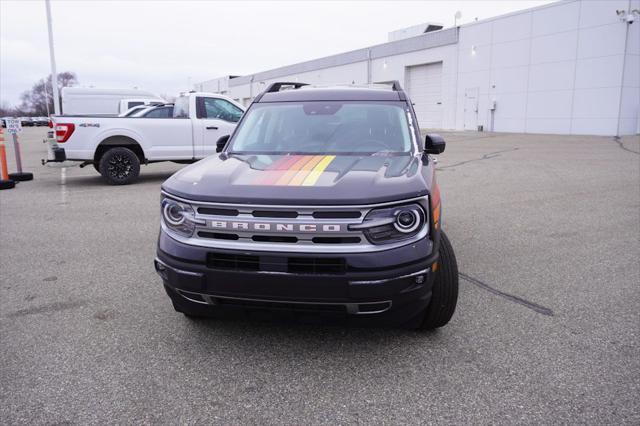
{"x": 571, "y": 67}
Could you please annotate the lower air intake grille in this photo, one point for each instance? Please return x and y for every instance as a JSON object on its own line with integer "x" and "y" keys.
{"x": 314, "y": 265}
{"x": 295, "y": 265}
{"x": 236, "y": 262}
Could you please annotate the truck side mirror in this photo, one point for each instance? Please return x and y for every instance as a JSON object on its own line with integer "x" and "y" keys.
{"x": 434, "y": 144}
{"x": 221, "y": 143}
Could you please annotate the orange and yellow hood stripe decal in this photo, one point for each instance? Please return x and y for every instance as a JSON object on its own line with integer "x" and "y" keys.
{"x": 295, "y": 170}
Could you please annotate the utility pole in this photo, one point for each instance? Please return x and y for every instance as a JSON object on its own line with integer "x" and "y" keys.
{"x": 52, "y": 56}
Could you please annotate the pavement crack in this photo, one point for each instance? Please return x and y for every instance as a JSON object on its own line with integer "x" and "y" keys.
{"x": 484, "y": 157}
{"x": 510, "y": 297}
{"x": 618, "y": 140}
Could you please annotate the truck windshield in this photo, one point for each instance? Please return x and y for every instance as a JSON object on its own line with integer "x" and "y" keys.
{"x": 337, "y": 127}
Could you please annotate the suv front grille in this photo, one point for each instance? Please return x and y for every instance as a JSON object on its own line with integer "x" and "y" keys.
{"x": 284, "y": 228}
{"x": 296, "y": 265}
{"x": 253, "y": 225}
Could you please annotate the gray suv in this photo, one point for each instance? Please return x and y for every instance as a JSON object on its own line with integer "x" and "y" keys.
{"x": 322, "y": 204}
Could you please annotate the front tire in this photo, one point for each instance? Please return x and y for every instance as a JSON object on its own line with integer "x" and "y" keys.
{"x": 444, "y": 295}
{"x": 119, "y": 166}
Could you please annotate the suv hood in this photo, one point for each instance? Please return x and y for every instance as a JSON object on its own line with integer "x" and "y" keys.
{"x": 300, "y": 179}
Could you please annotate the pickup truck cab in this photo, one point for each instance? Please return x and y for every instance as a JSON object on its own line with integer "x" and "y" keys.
{"x": 323, "y": 203}
{"x": 117, "y": 146}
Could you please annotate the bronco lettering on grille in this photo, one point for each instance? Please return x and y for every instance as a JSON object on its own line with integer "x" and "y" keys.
{"x": 275, "y": 227}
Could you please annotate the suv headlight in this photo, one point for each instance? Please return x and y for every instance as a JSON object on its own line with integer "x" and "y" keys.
{"x": 392, "y": 224}
{"x": 179, "y": 217}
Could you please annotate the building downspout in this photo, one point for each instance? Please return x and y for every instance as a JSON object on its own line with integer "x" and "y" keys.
{"x": 455, "y": 95}
{"x": 624, "y": 63}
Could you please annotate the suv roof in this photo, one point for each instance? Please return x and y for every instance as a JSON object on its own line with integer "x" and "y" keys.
{"x": 305, "y": 92}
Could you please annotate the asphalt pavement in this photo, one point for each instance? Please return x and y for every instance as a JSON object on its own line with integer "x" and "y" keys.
{"x": 546, "y": 230}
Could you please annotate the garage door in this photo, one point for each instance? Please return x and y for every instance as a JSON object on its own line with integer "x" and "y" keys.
{"x": 424, "y": 84}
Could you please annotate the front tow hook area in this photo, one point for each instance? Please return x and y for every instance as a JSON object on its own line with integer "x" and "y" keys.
{"x": 161, "y": 269}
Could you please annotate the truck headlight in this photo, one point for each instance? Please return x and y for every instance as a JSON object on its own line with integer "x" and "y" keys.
{"x": 391, "y": 224}
{"x": 179, "y": 217}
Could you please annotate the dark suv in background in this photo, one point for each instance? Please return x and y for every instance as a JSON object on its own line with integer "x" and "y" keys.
{"x": 323, "y": 203}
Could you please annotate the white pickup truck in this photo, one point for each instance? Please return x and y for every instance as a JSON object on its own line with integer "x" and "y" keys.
{"x": 116, "y": 146}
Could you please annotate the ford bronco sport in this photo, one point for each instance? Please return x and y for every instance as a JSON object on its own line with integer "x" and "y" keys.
{"x": 322, "y": 203}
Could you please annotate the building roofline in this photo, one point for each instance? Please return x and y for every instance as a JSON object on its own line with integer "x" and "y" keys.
{"x": 518, "y": 12}
{"x": 428, "y": 40}
{"x": 423, "y": 41}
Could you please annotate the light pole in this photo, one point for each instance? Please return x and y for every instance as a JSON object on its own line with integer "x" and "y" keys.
{"x": 46, "y": 98}
{"x": 52, "y": 56}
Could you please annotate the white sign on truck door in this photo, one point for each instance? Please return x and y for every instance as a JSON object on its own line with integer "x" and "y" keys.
{"x": 14, "y": 125}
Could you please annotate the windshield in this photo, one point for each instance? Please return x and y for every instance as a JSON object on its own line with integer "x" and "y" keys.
{"x": 337, "y": 127}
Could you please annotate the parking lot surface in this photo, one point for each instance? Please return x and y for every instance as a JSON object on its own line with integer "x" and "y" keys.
{"x": 547, "y": 234}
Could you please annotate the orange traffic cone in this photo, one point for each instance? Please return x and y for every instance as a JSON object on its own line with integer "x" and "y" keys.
{"x": 5, "y": 182}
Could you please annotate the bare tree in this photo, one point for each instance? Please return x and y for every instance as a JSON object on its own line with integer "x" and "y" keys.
{"x": 39, "y": 100}
{"x": 8, "y": 110}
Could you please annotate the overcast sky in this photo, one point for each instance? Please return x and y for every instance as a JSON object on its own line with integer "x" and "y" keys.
{"x": 162, "y": 46}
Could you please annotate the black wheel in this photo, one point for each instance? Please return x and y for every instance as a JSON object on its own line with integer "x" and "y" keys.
{"x": 21, "y": 176}
{"x": 7, "y": 184}
{"x": 119, "y": 166}
{"x": 445, "y": 288}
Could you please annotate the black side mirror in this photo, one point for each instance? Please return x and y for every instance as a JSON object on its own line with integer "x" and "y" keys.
{"x": 221, "y": 143}
{"x": 434, "y": 144}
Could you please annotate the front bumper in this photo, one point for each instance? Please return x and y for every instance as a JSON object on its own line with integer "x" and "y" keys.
{"x": 385, "y": 288}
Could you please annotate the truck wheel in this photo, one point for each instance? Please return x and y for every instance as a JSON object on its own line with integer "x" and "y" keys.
{"x": 119, "y": 166}
{"x": 445, "y": 288}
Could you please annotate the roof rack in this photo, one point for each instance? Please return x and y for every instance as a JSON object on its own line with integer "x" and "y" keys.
{"x": 395, "y": 86}
{"x": 275, "y": 87}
